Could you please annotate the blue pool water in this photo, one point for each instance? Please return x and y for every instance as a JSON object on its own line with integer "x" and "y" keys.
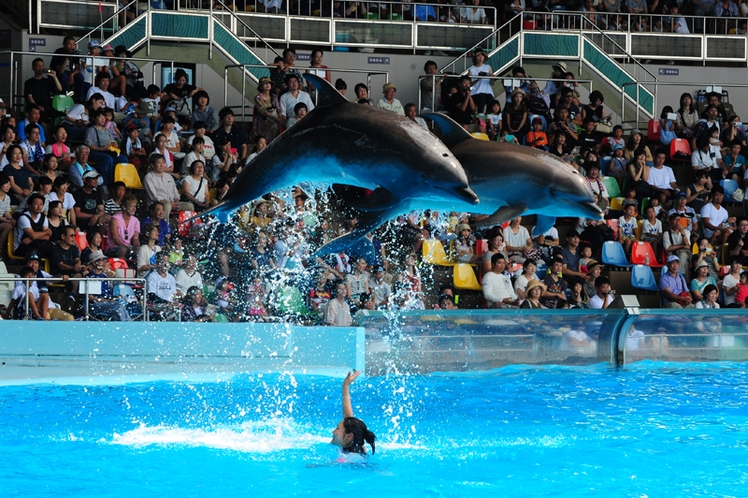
{"x": 651, "y": 429}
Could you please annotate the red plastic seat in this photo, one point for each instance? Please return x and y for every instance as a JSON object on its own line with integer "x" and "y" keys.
{"x": 118, "y": 264}
{"x": 613, "y": 224}
{"x": 680, "y": 145}
{"x": 641, "y": 252}
{"x": 80, "y": 240}
{"x": 184, "y": 226}
{"x": 653, "y": 130}
{"x": 481, "y": 246}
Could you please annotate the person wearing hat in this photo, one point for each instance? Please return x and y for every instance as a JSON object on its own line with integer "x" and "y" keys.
{"x": 617, "y": 166}
{"x": 634, "y": 144}
{"x": 461, "y": 105}
{"x": 233, "y": 133}
{"x": 40, "y": 306}
{"x": 103, "y": 304}
{"x": 465, "y": 246}
{"x": 594, "y": 269}
{"x": 515, "y": 116}
{"x": 603, "y": 296}
{"x": 268, "y": 119}
{"x": 294, "y": 96}
{"x": 497, "y": 287}
{"x": 552, "y": 88}
{"x": 681, "y": 208}
{"x": 388, "y": 100}
{"x": 535, "y": 289}
{"x": 39, "y": 88}
{"x": 701, "y": 279}
{"x": 673, "y": 286}
{"x": 89, "y": 206}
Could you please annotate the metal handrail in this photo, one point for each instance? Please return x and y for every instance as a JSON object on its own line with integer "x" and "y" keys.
{"x": 434, "y": 76}
{"x": 480, "y": 43}
{"x": 26, "y": 282}
{"x": 675, "y": 83}
{"x": 13, "y": 79}
{"x": 112, "y": 17}
{"x": 244, "y": 68}
{"x": 245, "y": 25}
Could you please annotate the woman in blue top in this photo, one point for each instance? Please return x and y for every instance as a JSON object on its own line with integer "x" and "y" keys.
{"x": 351, "y": 433}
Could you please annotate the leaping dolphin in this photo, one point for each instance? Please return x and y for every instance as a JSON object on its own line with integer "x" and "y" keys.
{"x": 360, "y": 145}
{"x": 513, "y": 180}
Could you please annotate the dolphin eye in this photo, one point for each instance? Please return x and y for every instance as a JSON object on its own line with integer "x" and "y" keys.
{"x": 445, "y": 154}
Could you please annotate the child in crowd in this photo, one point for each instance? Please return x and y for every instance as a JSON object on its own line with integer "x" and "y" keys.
{"x": 176, "y": 252}
{"x": 585, "y": 254}
{"x": 111, "y": 125}
{"x": 741, "y": 294}
{"x": 493, "y": 121}
{"x": 616, "y": 138}
{"x": 464, "y": 245}
{"x": 299, "y": 111}
{"x": 112, "y": 205}
{"x": 714, "y": 136}
{"x": 255, "y": 300}
{"x": 195, "y": 155}
{"x": 627, "y": 226}
{"x": 618, "y": 162}
{"x": 134, "y": 149}
{"x": 652, "y": 230}
{"x": 209, "y": 149}
{"x": 223, "y": 297}
{"x": 536, "y": 137}
{"x": 173, "y": 144}
{"x": 654, "y": 202}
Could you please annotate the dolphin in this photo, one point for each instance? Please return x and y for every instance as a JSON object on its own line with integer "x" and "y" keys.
{"x": 359, "y": 145}
{"x": 511, "y": 180}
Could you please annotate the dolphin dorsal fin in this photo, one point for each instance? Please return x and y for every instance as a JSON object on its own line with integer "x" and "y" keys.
{"x": 452, "y": 132}
{"x": 326, "y": 93}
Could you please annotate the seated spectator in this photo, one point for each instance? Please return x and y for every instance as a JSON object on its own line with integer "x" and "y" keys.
{"x": 123, "y": 235}
{"x": 570, "y": 256}
{"x": 603, "y": 296}
{"x": 38, "y": 303}
{"x": 81, "y": 167}
{"x": 687, "y": 117}
{"x": 195, "y": 307}
{"x": 7, "y": 222}
{"x": 661, "y": 179}
{"x": 195, "y": 187}
{"x": 535, "y": 289}
{"x": 638, "y": 175}
{"x": 202, "y": 112}
{"x": 56, "y": 222}
{"x": 362, "y": 94}
{"x": 188, "y": 276}
{"x": 160, "y": 187}
{"x": 680, "y": 208}
{"x": 133, "y": 147}
{"x": 230, "y": 132}
{"x": 734, "y": 161}
{"x": 146, "y": 256}
{"x": 709, "y": 300}
{"x": 673, "y": 286}
{"x": 627, "y": 225}
{"x": 112, "y": 205}
{"x": 66, "y": 260}
{"x": 652, "y": 230}
{"x": 162, "y": 286}
{"x": 380, "y": 289}
{"x": 409, "y": 282}
{"x": 497, "y": 287}
{"x": 104, "y": 304}
{"x": 554, "y": 296}
{"x": 446, "y": 302}
{"x": 67, "y": 201}
{"x": 196, "y": 154}
{"x": 89, "y": 207}
{"x": 358, "y": 282}
{"x": 412, "y": 113}
{"x": 294, "y": 96}
{"x": 156, "y": 216}
{"x": 634, "y": 145}
{"x": 515, "y": 117}
{"x": 714, "y": 218}
{"x": 33, "y": 152}
{"x": 699, "y": 191}
{"x": 700, "y": 281}
{"x": 21, "y": 185}
{"x": 94, "y": 238}
{"x": 102, "y": 80}
{"x": 43, "y": 188}
{"x": 529, "y": 269}
{"x": 104, "y": 148}
{"x": 388, "y": 100}
{"x": 737, "y": 242}
{"x": 536, "y": 137}
{"x": 32, "y": 230}
{"x": 337, "y": 312}
{"x": 33, "y": 117}
{"x": 464, "y": 245}
{"x": 731, "y": 281}
{"x": 707, "y": 157}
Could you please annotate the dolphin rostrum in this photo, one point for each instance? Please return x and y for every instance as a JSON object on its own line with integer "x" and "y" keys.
{"x": 358, "y": 145}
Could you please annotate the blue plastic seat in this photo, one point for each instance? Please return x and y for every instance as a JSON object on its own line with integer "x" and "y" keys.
{"x": 730, "y": 187}
{"x": 643, "y": 278}
{"x": 545, "y": 123}
{"x": 614, "y": 255}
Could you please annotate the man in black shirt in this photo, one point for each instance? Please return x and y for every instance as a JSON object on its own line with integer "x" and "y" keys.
{"x": 39, "y": 90}
{"x": 461, "y": 105}
{"x": 234, "y": 132}
{"x": 89, "y": 207}
{"x": 67, "y": 67}
{"x": 66, "y": 259}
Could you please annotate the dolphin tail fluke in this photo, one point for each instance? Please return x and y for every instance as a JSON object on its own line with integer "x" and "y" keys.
{"x": 504, "y": 213}
{"x": 452, "y": 132}
{"x": 326, "y": 93}
{"x": 544, "y": 224}
{"x": 367, "y": 222}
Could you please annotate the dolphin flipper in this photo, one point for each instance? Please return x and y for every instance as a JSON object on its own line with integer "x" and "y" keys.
{"x": 326, "y": 93}
{"x": 379, "y": 199}
{"x": 367, "y": 222}
{"x": 452, "y": 132}
{"x": 543, "y": 224}
{"x": 220, "y": 211}
{"x": 504, "y": 213}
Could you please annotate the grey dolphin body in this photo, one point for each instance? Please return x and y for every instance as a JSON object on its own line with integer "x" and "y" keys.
{"x": 356, "y": 145}
{"x": 512, "y": 180}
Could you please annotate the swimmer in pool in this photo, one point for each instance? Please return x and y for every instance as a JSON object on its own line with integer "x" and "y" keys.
{"x": 351, "y": 432}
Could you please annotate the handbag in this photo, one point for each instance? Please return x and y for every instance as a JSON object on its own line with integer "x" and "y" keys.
{"x": 604, "y": 126}
{"x": 182, "y": 107}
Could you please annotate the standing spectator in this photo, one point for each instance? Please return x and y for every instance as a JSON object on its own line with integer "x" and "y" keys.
{"x": 39, "y": 90}
{"x": 481, "y": 87}
{"x": 67, "y": 67}
{"x": 673, "y": 286}
{"x": 431, "y": 88}
{"x": 268, "y": 119}
{"x": 461, "y": 104}
{"x": 388, "y": 101}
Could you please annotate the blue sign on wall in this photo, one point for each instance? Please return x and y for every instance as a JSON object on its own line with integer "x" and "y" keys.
{"x": 379, "y": 60}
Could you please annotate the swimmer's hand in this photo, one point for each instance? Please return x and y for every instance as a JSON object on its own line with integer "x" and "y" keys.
{"x": 351, "y": 377}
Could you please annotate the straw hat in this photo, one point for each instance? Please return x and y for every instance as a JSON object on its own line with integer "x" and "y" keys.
{"x": 388, "y": 86}
{"x": 517, "y": 91}
{"x": 561, "y": 66}
{"x": 533, "y": 284}
{"x": 463, "y": 226}
{"x": 262, "y": 81}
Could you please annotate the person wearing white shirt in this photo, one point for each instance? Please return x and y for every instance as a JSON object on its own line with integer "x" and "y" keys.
{"x": 497, "y": 287}
{"x": 389, "y": 102}
{"x": 102, "y": 87}
{"x": 707, "y": 157}
{"x": 661, "y": 178}
{"x": 294, "y": 96}
{"x": 714, "y": 216}
{"x": 604, "y": 296}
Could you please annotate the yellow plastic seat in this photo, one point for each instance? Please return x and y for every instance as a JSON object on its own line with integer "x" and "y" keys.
{"x": 463, "y": 277}
{"x": 616, "y": 203}
{"x": 480, "y": 136}
{"x": 433, "y": 252}
{"x": 128, "y": 174}
{"x": 11, "y": 237}
{"x": 639, "y": 225}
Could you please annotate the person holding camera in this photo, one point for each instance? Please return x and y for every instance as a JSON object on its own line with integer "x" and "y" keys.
{"x": 604, "y": 295}
{"x": 481, "y": 87}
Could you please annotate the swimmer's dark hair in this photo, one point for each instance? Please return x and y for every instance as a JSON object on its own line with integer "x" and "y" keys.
{"x": 361, "y": 434}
